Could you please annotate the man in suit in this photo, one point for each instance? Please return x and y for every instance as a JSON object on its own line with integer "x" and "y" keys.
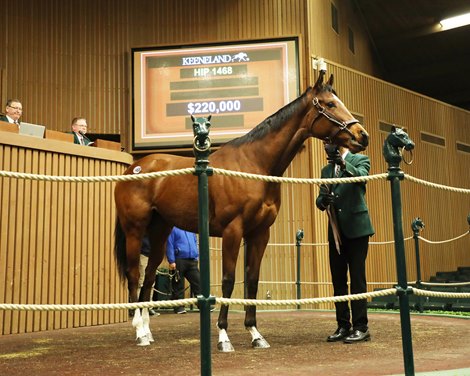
{"x": 13, "y": 112}
{"x": 79, "y": 129}
{"x": 349, "y": 229}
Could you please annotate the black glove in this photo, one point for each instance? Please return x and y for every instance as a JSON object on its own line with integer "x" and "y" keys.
{"x": 327, "y": 199}
{"x": 334, "y": 156}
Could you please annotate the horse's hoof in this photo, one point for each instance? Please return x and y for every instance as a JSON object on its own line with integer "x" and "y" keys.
{"x": 260, "y": 343}
{"x": 225, "y": 346}
{"x": 143, "y": 341}
{"x": 150, "y": 337}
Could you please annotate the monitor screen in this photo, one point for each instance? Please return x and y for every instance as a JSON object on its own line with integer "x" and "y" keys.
{"x": 239, "y": 84}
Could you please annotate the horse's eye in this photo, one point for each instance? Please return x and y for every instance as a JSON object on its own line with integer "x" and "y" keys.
{"x": 330, "y": 104}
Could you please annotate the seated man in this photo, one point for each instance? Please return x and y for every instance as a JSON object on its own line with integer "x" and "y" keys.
{"x": 79, "y": 129}
{"x": 13, "y": 112}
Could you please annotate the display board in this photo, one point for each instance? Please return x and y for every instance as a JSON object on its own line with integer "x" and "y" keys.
{"x": 240, "y": 84}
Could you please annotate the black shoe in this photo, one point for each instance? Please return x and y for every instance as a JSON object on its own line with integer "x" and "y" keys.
{"x": 357, "y": 336}
{"x": 339, "y": 335}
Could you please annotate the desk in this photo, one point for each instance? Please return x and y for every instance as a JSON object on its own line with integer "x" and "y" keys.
{"x": 57, "y": 237}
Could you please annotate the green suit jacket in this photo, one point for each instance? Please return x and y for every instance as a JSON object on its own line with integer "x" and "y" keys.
{"x": 349, "y": 203}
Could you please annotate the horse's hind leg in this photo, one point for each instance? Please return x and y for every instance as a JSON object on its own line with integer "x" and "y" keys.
{"x": 140, "y": 320}
{"x": 256, "y": 246}
{"x": 231, "y": 247}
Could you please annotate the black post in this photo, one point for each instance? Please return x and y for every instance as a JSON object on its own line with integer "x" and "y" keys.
{"x": 298, "y": 242}
{"x": 399, "y": 139}
{"x": 201, "y": 150}
{"x": 417, "y": 225}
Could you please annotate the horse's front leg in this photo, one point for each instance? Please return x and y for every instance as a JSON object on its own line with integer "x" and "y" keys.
{"x": 230, "y": 249}
{"x": 256, "y": 245}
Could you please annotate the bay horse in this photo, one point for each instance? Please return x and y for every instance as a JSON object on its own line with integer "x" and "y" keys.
{"x": 238, "y": 208}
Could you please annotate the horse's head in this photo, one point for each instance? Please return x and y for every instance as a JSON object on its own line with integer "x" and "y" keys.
{"x": 334, "y": 123}
{"x": 201, "y": 127}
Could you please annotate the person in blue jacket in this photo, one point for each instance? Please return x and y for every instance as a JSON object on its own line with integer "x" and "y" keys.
{"x": 183, "y": 255}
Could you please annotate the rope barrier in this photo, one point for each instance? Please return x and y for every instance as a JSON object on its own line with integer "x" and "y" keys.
{"x": 443, "y": 241}
{"x": 440, "y": 294}
{"x": 96, "y": 307}
{"x": 318, "y": 181}
{"x": 177, "y": 303}
{"x": 438, "y": 186}
{"x": 448, "y": 284}
{"x": 226, "y": 301}
{"x": 221, "y": 171}
{"x": 92, "y": 179}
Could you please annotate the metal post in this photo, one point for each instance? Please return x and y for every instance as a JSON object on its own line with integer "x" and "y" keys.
{"x": 201, "y": 150}
{"x": 417, "y": 225}
{"x": 298, "y": 242}
{"x": 398, "y": 138}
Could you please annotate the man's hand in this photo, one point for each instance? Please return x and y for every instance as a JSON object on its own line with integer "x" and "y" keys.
{"x": 334, "y": 156}
{"x": 327, "y": 199}
{"x": 172, "y": 266}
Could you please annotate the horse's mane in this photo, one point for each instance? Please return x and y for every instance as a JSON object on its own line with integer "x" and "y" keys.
{"x": 271, "y": 123}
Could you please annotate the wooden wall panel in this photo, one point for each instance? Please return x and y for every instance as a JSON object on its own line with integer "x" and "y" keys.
{"x": 56, "y": 243}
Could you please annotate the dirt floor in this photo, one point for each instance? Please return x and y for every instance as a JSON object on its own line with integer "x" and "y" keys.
{"x": 297, "y": 340}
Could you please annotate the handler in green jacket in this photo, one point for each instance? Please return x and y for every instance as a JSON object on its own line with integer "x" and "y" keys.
{"x": 349, "y": 229}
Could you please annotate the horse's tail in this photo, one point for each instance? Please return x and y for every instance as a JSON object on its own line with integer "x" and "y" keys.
{"x": 120, "y": 249}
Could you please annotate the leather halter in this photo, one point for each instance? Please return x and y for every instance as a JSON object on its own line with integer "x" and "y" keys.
{"x": 342, "y": 125}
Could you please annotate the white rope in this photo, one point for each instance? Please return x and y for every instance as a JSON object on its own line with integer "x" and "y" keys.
{"x": 389, "y": 241}
{"x": 92, "y": 179}
{"x": 327, "y": 283}
{"x": 438, "y": 186}
{"x": 269, "y": 302}
{"x": 449, "y": 284}
{"x": 440, "y": 294}
{"x": 95, "y": 307}
{"x": 443, "y": 241}
{"x": 318, "y": 181}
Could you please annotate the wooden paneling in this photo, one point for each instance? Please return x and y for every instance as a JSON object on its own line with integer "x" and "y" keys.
{"x": 56, "y": 243}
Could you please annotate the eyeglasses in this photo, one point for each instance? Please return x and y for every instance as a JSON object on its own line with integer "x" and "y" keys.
{"x": 16, "y": 108}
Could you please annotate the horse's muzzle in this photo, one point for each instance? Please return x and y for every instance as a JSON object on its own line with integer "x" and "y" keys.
{"x": 364, "y": 138}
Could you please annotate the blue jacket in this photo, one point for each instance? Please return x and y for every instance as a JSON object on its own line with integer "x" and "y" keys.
{"x": 181, "y": 244}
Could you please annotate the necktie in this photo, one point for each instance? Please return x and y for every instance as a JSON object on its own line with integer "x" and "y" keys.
{"x": 337, "y": 169}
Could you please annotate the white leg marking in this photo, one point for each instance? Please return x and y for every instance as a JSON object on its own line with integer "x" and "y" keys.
{"x": 257, "y": 340}
{"x": 224, "y": 344}
{"x": 254, "y": 333}
{"x": 146, "y": 324}
{"x": 223, "y": 336}
{"x": 138, "y": 324}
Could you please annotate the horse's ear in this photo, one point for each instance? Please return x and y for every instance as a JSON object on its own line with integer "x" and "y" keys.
{"x": 330, "y": 80}
{"x": 193, "y": 118}
{"x": 319, "y": 82}
{"x": 394, "y": 128}
{"x": 209, "y": 117}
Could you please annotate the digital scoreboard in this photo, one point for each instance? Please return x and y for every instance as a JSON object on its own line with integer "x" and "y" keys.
{"x": 239, "y": 84}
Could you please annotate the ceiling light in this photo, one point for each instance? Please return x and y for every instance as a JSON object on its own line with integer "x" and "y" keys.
{"x": 457, "y": 21}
